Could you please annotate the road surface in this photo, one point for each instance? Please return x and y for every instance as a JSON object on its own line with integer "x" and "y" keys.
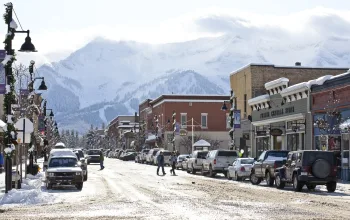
{"x": 126, "y": 190}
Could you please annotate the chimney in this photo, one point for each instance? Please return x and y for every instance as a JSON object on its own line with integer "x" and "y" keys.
{"x": 297, "y": 64}
{"x": 136, "y": 119}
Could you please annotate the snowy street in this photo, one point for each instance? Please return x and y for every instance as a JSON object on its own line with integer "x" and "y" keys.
{"x": 126, "y": 190}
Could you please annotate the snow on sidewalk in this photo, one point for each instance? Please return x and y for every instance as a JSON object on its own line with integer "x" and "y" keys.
{"x": 31, "y": 193}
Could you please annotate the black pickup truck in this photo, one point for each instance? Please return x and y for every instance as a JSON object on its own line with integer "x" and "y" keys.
{"x": 264, "y": 167}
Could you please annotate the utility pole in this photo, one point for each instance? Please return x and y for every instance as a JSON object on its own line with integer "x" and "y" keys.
{"x": 192, "y": 136}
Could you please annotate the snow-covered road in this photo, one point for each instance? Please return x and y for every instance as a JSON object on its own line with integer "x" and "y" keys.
{"x": 125, "y": 190}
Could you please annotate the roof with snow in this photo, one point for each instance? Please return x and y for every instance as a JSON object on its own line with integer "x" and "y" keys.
{"x": 201, "y": 143}
{"x": 276, "y": 83}
{"x": 285, "y": 67}
{"x": 259, "y": 99}
{"x": 191, "y": 97}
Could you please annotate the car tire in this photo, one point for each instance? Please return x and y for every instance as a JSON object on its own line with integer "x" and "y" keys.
{"x": 279, "y": 183}
{"x": 202, "y": 171}
{"x": 19, "y": 184}
{"x": 225, "y": 174}
{"x": 228, "y": 176}
{"x": 297, "y": 185}
{"x": 254, "y": 179}
{"x": 86, "y": 177}
{"x": 79, "y": 186}
{"x": 321, "y": 168}
{"x": 269, "y": 180}
{"x": 188, "y": 170}
{"x": 48, "y": 186}
{"x": 237, "y": 177}
{"x": 193, "y": 170}
{"x": 211, "y": 172}
{"x": 88, "y": 163}
{"x": 331, "y": 186}
{"x": 311, "y": 186}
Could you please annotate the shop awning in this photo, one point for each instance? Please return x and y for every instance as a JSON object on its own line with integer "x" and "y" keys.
{"x": 274, "y": 120}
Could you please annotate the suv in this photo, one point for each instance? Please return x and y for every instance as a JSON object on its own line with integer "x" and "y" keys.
{"x": 217, "y": 161}
{"x": 93, "y": 156}
{"x": 195, "y": 162}
{"x": 167, "y": 156}
{"x": 151, "y": 154}
{"x": 64, "y": 170}
{"x": 308, "y": 168}
{"x": 143, "y": 155}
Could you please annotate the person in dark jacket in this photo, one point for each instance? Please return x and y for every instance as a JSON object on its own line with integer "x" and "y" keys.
{"x": 173, "y": 160}
{"x": 160, "y": 160}
{"x": 101, "y": 160}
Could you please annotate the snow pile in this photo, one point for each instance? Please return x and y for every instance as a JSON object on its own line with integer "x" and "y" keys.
{"x": 30, "y": 193}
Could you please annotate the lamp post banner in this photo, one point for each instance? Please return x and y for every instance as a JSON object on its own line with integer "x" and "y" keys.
{"x": 2, "y": 73}
{"x": 41, "y": 124}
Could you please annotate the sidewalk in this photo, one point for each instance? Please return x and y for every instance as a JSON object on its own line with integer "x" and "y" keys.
{"x": 2, "y": 175}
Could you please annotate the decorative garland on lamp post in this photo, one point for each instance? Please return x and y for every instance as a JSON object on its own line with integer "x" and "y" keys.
{"x": 174, "y": 129}
{"x": 232, "y": 119}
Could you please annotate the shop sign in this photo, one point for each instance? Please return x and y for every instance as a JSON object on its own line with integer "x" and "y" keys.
{"x": 246, "y": 136}
{"x": 276, "y": 132}
{"x": 278, "y": 112}
{"x": 260, "y": 133}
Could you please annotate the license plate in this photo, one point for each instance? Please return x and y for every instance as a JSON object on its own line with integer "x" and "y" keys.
{"x": 303, "y": 173}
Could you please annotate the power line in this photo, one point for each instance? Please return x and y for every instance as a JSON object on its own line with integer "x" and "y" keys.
{"x": 17, "y": 19}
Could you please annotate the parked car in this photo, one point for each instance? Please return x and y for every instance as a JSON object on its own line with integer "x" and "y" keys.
{"x": 64, "y": 170}
{"x": 264, "y": 167}
{"x": 138, "y": 157}
{"x": 184, "y": 164}
{"x": 180, "y": 159}
{"x": 81, "y": 157}
{"x": 240, "y": 169}
{"x": 150, "y": 155}
{"x": 217, "y": 161}
{"x": 308, "y": 168}
{"x": 143, "y": 155}
{"x": 195, "y": 162}
{"x": 93, "y": 156}
{"x": 128, "y": 155}
{"x": 167, "y": 156}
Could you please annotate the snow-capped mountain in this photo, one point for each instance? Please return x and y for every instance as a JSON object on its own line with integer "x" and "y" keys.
{"x": 106, "y": 78}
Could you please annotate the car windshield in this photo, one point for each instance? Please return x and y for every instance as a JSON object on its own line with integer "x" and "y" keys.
{"x": 63, "y": 162}
{"x": 247, "y": 161}
{"x": 202, "y": 154}
{"x": 277, "y": 154}
{"x": 155, "y": 152}
{"x": 94, "y": 152}
{"x": 145, "y": 151}
{"x": 80, "y": 153}
{"x": 227, "y": 153}
{"x": 166, "y": 153}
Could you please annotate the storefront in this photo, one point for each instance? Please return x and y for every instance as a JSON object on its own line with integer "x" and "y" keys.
{"x": 280, "y": 118}
{"x": 331, "y": 112}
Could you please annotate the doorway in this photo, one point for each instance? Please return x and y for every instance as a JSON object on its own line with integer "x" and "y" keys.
{"x": 277, "y": 142}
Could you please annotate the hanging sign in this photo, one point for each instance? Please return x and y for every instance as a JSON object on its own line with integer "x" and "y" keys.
{"x": 41, "y": 124}
{"x": 183, "y": 132}
{"x": 237, "y": 118}
{"x": 276, "y": 132}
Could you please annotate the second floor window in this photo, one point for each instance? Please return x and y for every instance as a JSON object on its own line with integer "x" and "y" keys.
{"x": 204, "y": 120}
{"x": 183, "y": 120}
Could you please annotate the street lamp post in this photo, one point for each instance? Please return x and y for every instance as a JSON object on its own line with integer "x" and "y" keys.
{"x": 10, "y": 86}
{"x": 174, "y": 129}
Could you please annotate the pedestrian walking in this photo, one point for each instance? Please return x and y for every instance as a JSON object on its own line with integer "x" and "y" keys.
{"x": 102, "y": 158}
{"x": 160, "y": 160}
{"x": 173, "y": 160}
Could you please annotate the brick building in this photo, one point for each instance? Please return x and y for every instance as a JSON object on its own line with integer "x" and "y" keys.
{"x": 123, "y": 131}
{"x": 249, "y": 82}
{"x": 208, "y": 120}
{"x": 330, "y": 105}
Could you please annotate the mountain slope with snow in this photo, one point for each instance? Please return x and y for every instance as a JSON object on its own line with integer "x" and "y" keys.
{"x": 106, "y": 78}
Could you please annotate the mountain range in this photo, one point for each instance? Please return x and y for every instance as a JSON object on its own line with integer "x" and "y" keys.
{"x": 107, "y": 78}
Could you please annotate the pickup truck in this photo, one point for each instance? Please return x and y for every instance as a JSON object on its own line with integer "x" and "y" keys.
{"x": 195, "y": 162}
{"x": 265, "y": 166}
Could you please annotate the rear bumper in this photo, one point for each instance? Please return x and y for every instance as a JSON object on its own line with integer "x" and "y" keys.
{"x": 220, "y": 169}
{"x": 243, "y": 174}
{"x": 93, "y": 160}
{"x": 312, "y": 179}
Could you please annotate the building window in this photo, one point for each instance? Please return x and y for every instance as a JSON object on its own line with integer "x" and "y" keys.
{"x": 183, "y": 120}
{"x": 204, "y": 120}
{"x": 228, "y": 120}
{"x": 262, "y": 144}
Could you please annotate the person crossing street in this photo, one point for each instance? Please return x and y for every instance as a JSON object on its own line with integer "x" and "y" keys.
{"x": 173, "y": 160}
{"x": 160, "y": 160}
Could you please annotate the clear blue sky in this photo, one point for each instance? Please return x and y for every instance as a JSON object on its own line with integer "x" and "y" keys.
{"x": 61, "y": 25}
